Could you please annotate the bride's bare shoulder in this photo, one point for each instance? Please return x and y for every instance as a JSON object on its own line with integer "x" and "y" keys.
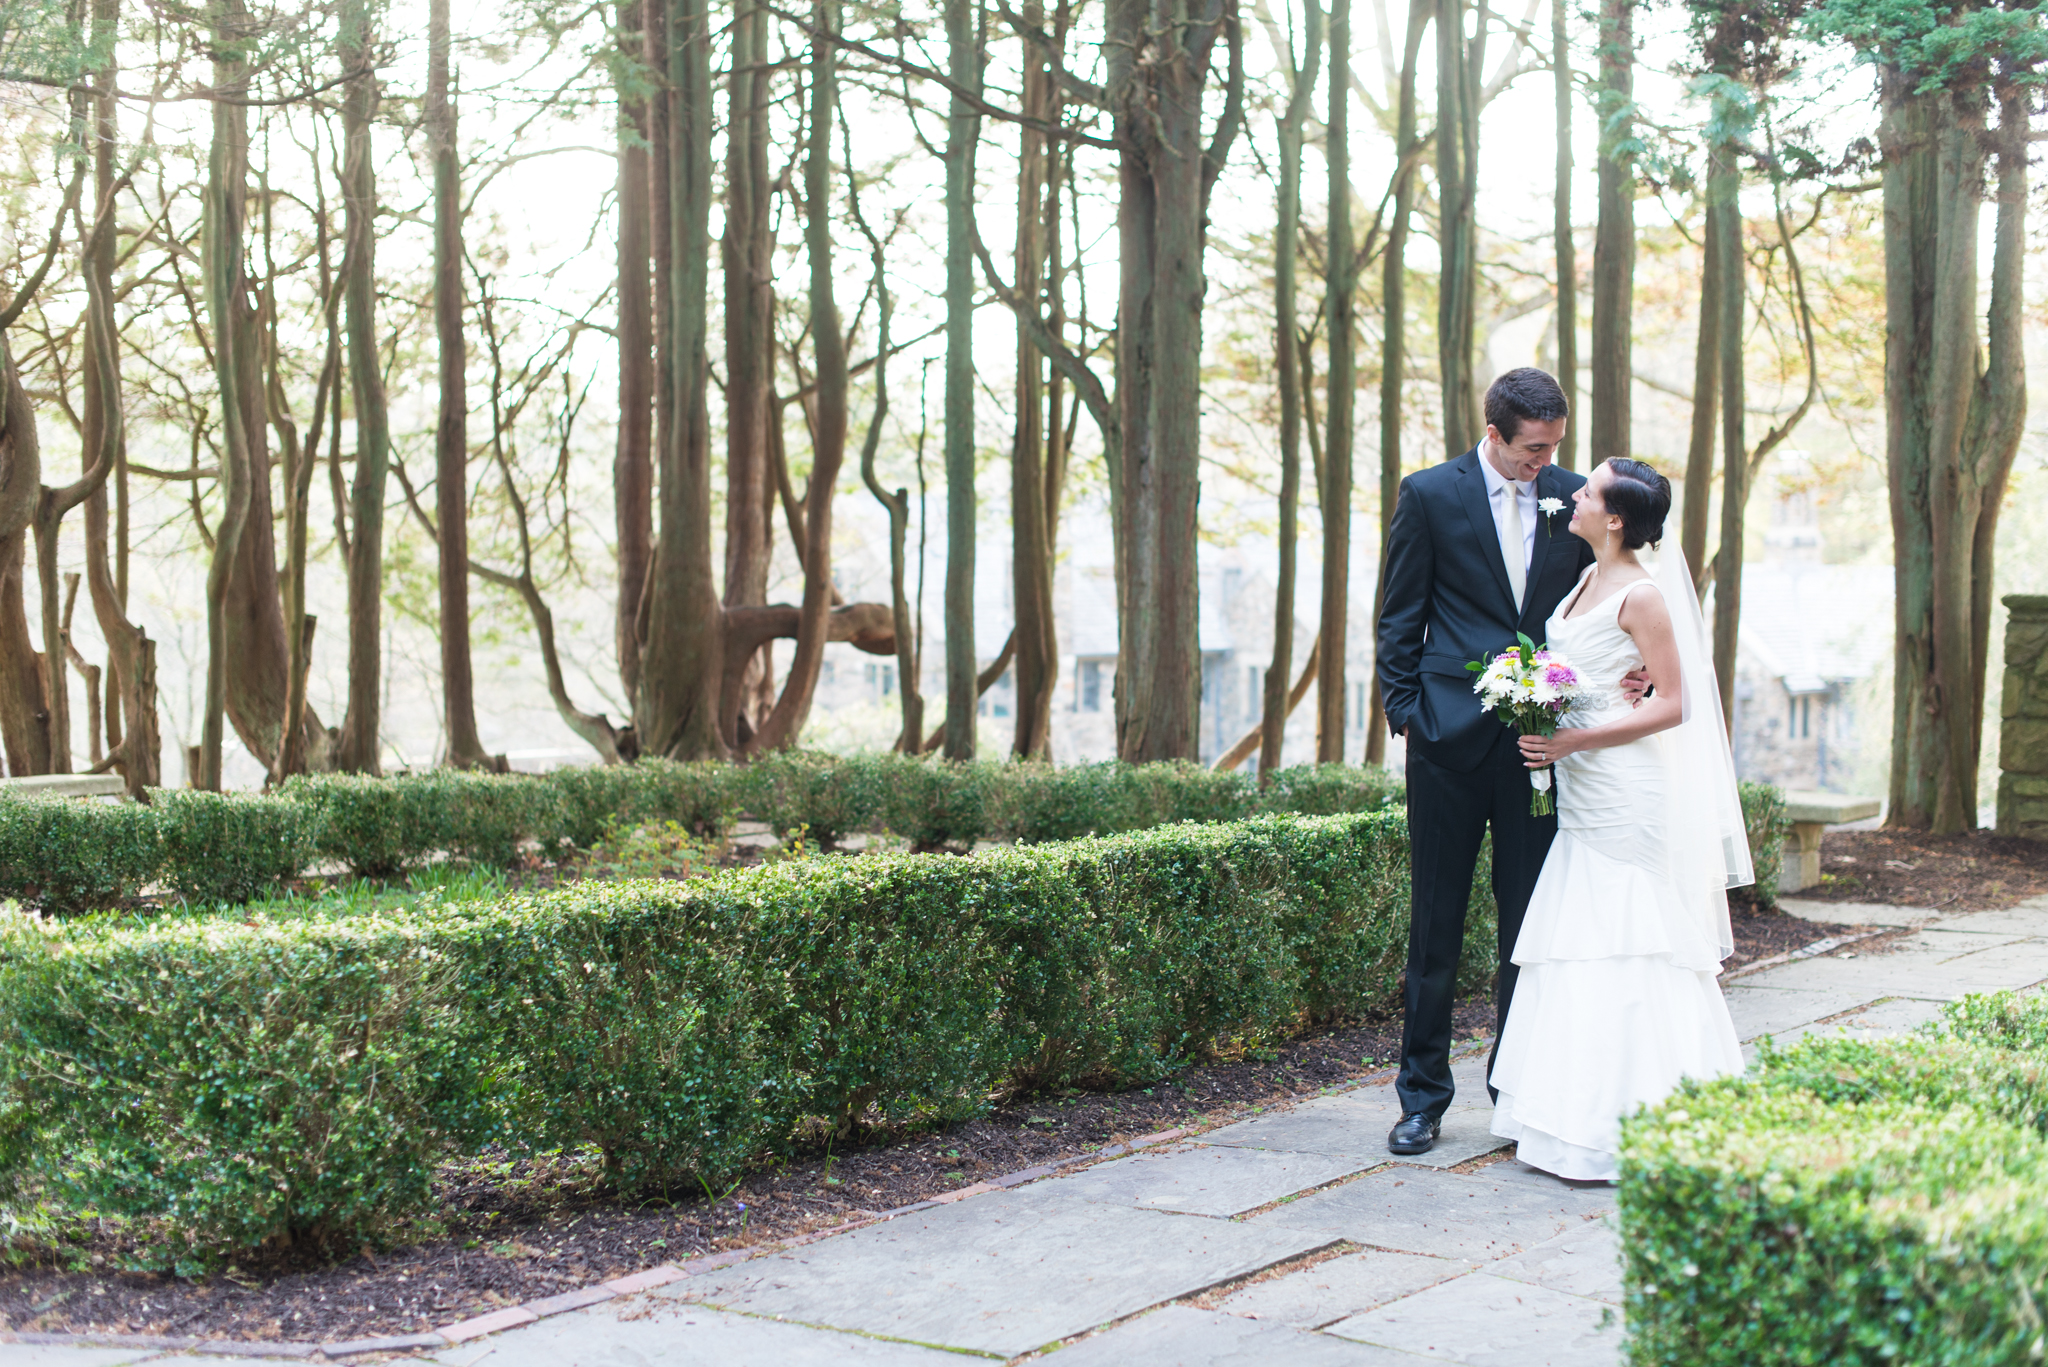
{"x": 1644, "y": 611}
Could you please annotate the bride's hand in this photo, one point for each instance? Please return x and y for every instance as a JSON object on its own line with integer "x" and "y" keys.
{"x": 1541, "y": 751}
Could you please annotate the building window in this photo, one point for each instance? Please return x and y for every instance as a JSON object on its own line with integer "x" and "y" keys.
{"x": 1254, "y": 696}
{"x": 1088, "y": 687}
{"x": 997, "y": 702}
{"x": 881, "y": 680}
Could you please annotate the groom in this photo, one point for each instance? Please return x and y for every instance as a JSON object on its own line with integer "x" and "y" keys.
{"x": 1477, "y": 552}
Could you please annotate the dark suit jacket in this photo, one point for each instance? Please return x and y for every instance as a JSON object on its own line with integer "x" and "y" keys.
{"x": 1448, "y": 601}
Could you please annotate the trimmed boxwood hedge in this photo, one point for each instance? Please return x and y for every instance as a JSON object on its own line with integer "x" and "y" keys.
{"x": 1848, "y": 1202}
{"x": 234, "y": 1082}
{"x": 68, "y": 856}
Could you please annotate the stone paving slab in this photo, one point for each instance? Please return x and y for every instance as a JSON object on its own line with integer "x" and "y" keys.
{"x": 641, "y": 1330}
{"x": 1002, "y": 1273}
{"x": 1488, "y": 1321}
{"x": 52, "y": 1355}
{"x": 1339, "y": 1288}
{"x": 1354, "y": 1126}
{"x": 2028, "y": 918}
{"x": 1444, "y": 1214}
{"x": 1891, "y": 1016}
{"x": 1180, "y": 1336}
{"x": 1583, "y": 1262}
{"x": 1210, "y": 1181}
{"x": 1920, "y": 968}
{"x": 1854, "y": 913}
{"x": 1760, "y": 1007}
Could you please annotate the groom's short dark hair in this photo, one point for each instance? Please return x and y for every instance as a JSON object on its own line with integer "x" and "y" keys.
{"x": 1524, "y": 394}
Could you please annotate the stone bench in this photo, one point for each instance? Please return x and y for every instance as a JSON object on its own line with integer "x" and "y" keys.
{"x": 1811, "y": 813}
{"x": 65, "y": 785}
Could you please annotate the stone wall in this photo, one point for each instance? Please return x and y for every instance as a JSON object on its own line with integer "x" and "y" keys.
{"x": 2023, "y": 734}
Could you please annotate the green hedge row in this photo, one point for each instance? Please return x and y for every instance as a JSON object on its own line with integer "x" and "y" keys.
{"x": 229, "y": 1083}
{"x": 69, "y": 856}
{"x": 1849, "y": 1202}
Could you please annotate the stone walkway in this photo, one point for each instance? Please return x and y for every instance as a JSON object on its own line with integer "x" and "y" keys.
{"x": 1287, "y": 1238}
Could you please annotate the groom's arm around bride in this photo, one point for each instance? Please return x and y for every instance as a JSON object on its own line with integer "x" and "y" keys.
{"x": 1477, "y": 552}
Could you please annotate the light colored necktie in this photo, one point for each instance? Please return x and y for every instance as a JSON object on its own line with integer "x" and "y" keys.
{"x": 1511, "y": 546}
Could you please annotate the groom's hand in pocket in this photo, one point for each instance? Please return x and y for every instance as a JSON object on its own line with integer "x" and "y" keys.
{"x": 1634, "y": 686}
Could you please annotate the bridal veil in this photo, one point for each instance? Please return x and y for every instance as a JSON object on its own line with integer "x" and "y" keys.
{"x": 1708, "y": 840}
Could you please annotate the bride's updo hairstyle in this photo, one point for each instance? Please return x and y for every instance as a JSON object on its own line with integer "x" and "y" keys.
{"x": 1641, "y": 498}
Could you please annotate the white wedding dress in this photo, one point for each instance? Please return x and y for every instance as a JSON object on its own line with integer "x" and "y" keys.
{"x": 1622, "y": 944}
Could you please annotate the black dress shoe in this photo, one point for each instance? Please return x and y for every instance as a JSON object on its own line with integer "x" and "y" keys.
{"x": 1413, "y": 1133}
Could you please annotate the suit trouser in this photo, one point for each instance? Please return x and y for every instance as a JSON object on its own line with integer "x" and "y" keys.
{"x": 1448, "y": 814}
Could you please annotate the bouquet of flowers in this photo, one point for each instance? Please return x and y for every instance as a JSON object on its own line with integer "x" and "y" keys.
{"x": 1531, "y": 687}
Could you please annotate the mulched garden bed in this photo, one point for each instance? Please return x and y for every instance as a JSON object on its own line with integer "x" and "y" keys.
{"x": 515, "y": 1229}
{"x": 1976, "y": 871}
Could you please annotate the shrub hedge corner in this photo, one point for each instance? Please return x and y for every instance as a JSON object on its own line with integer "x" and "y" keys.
{"x": 233, "y": 1082}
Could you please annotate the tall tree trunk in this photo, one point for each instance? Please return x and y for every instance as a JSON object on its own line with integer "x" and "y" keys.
{"x": 829, "y": 404}
{"x": 1734, "y": 447}
{"x": 1706, "y": 369}
{"x": 307, "y": 744}
{"x": 1286, "y": 233}
{"x": 1566, "y": 245}
{"x": 682, "y": 624}
{"x": 633, "y": 458}
{"x": 451, "y": 432}
{"x": 1342, "y": 301}
{"x": 1158, "y": 70}
{"x": 1037, "y": 660}
{"x": 1614, "y": 237}
{"x": 361, "y": 728}
{"x": 1954, "y": 414}
{"x": 24, "y": 694}
{"x": 748, "y": 260}
{"x": 1394, "y": 352}
{"x": 131, "y": 719}
{"x": 963, "y": 132}
{"x": 226, "y": 290}
{"x": 1458, "y": 61}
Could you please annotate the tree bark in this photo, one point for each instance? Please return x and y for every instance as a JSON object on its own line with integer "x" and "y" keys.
{"x": 1037, "y": 661}
{"x": 1614, "y": 237}
{"x": 360, "y": 746}
{"x": 1394, "y": 346}
{"x": 1158, "y": 71}
{"x": 24, "y": 693}
{"x": 633, "y": 458}
{"x": 1734, "y": 448}
{"x": 1566, "y": 244}
{"x": 1286, "y": 232}
{"x": 226, "y": 289}
{"x": 1459, "y": 64}
{"x": 1722, "y": 183}
{"x": 829, "y": 403}
{"x": 748, "y": 260}
{"x": 682, "y": 632}
{"x": 1341, "y": 305}
{"x": 1955, "y": 408}
{"x": 131, "y": 720}
{"x": 963, "y": 132}
{"x": 451, "y": 431}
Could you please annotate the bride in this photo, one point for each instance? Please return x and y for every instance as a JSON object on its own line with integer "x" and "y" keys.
{"x": 1625, "y": 933}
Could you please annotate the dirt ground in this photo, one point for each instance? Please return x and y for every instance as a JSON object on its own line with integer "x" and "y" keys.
{"x": 510, "y": 1229}
{"x": 1978, "y": 871}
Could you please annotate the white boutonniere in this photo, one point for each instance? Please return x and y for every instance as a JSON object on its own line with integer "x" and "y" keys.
{"x": 1549, "y": 507}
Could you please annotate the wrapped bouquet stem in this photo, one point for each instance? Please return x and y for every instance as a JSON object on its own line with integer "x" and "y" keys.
{"x": 1530, "y": 688}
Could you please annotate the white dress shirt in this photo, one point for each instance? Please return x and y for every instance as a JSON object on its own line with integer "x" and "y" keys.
{"x": 1499, "y": 489}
